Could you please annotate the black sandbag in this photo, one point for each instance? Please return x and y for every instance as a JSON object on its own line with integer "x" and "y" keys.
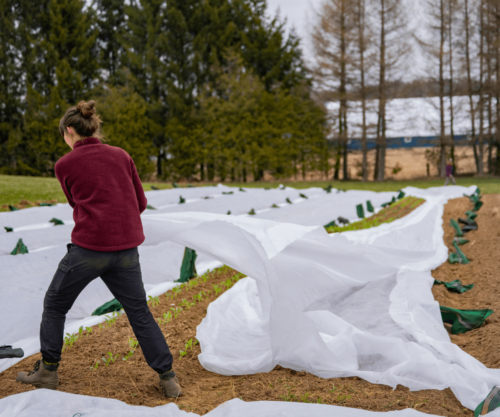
{"x": 6, "y": 352}
{"x": 343, "y": 220}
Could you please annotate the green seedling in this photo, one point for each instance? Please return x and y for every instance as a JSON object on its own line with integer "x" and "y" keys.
{"x": 187, "y": 304}
{"x": 89, "y": 330}
{"x": 70, "y": 340}
{"x": 94, "y": 368}
{"x": 252, "y": 212}
{"x": 128, "y": 355}
{"x": 110, "y": 359}
{"x": 134, "y": 344}
{"x": 80, "y": 331}
{"x": 155, "y": 301}
{"x": 176, "y": 311}
{"x": 217, "y": 289}
{"x": 199, "y": 297}
{"x": 305, "y": 398}
{"x": 176, "y": 291}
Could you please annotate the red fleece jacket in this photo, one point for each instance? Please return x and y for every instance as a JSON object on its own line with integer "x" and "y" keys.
{"x": 102, "y": 185}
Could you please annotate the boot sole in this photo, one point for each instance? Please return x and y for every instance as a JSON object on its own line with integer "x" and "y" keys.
{"x": 39, "y": 385}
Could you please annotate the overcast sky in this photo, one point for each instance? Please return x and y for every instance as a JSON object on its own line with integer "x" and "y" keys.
{"x": 297, "y": 13}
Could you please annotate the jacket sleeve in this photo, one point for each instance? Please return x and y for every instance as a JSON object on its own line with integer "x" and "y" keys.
{"x": 64, "y": 185}
{"x": 139, "y": 191}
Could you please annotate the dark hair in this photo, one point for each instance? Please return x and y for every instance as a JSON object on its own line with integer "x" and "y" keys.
{"x": 83, "y": 119}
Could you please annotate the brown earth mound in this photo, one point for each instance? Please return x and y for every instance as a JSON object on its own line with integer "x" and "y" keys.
{"x": 483, "y": 271}
{"x": 133, "y": 382}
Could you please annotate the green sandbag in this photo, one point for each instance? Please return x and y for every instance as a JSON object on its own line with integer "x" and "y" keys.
{"x": 227, "y": 192}
{"x": 303, "y": 195}
{"x": 477, "y": 205}
{"x": 229, "y": 212}
{"x": 288, "y": 201}
{"x": 12, "y": 208}
{"x": 241, "y": 189}
{"x": 47, "y": 204}
{"x": 175, "y": 185}
{"x": 463, "y": 320}
{"x": 150, "y": 207}
{"x": 458, "y": 257}
{"x": 56, "y": 222}
{"x": 328, "y": 189}
{"x": 331, "y": 224}
{"x": 275, "y": 206}
{"x": 181, "y": 200}
{"x": 109, "y": 307}
{"x": 471, "y": 215}
{"x": 188, "y": 268}
{"x": 252, "y": 212}
{"x": 154, "y": 188}
{"x": 490, "y": 403}
{"x": 20, "y": 248}
{"x": 389, "y": 202}
{"x": 460, "y": 241}
{"x": 400, "y": 195}
{"x": 456, "y": 226}
{"x": 369, "y": 206}
{"x": 8, "y": 229}
{"x": 360, "y": 211}
{"x": 455, "y": 286}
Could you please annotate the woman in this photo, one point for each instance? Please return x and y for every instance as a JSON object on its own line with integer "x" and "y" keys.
{"x": 102, "y": 185}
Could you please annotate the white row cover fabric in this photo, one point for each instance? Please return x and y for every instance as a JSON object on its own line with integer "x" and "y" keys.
{"x": 44, "y": 403}
{"x": 358, "y": 304}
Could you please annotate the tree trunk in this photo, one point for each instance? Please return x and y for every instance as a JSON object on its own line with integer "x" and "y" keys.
{"x": 381, "y": 140}
{"x": 450, "y": 44}
{"x": 442, "y": 156}
{"x": 361, "y": 27}
{"x": 470, "y": 86}
{"x": 343, "y": 89}
{"x": 480, "y": 169}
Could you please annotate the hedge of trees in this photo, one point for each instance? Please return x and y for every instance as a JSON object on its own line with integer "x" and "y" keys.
{"x": 207, "y": 89}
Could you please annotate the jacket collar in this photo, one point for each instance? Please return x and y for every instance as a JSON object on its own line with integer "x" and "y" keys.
{"x": 87, "y": 141}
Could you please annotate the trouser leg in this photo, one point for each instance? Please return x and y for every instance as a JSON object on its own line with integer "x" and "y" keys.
{"x": 453, "y": 181}
{"x": 75, "y": 271}
{"x": 124, "y": 280}
{"x": 447, "y": 181}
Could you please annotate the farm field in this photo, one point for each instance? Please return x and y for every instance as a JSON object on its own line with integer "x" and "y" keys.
{"x": 103, "y": 360}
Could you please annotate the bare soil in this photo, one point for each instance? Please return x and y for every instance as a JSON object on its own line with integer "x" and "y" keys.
{"x": 483, "y": 271}
{"x": 133, "y": 382}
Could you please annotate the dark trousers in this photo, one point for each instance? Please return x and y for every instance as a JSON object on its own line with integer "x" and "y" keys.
{"x": 121, "y": 272}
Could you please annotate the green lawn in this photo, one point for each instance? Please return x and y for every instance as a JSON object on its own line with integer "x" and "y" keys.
{"x": 13, "y": 189}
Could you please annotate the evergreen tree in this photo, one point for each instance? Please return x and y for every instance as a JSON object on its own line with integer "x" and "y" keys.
{"x": 10, "y": 85}
{"x": 64, "y": 56}
{"x": 126, "y": 124}
{"x": 111, "y": 21}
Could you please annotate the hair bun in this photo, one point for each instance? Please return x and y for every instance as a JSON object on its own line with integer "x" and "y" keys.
{"x": 86, "y": 109}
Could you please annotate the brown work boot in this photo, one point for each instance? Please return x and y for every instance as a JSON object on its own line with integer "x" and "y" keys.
{"x": 42, "y": 376}
{"x": 170, "y": 385}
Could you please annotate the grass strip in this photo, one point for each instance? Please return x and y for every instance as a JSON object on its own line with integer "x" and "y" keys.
{"x": 388, "y": 214}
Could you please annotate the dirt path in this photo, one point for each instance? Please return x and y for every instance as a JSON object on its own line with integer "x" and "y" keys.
{"x": 133, "y": 382}
{"x": 483, "y": 271}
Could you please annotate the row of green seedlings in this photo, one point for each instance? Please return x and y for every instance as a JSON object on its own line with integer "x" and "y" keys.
{"x": 167, "y": 317}
{"x": 71, "y": 339}
{"x": 186, "y": 304}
